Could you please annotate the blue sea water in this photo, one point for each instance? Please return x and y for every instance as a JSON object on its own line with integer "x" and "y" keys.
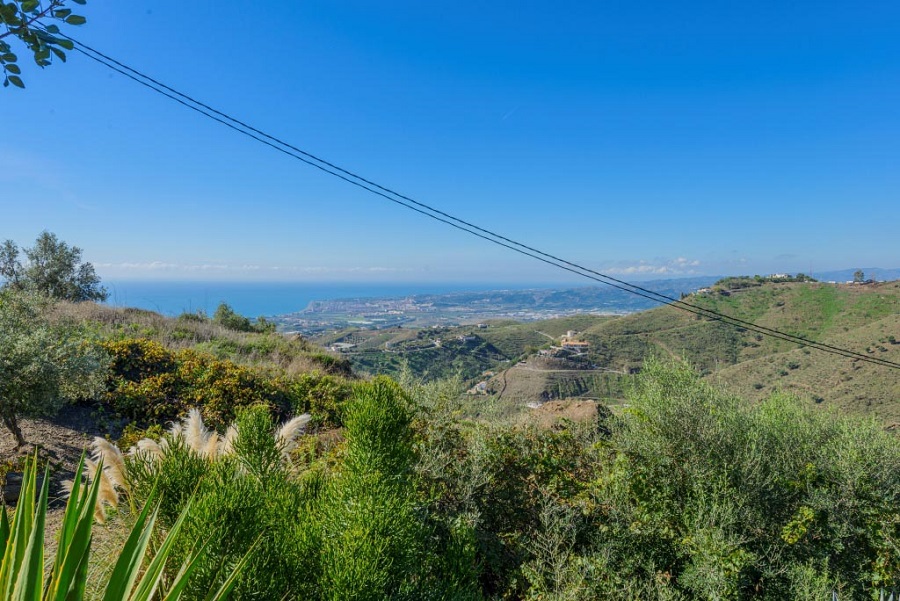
{"x": 262, "y": 298}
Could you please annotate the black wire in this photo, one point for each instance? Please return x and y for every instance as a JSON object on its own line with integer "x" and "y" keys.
{"x": 446, "y": 218}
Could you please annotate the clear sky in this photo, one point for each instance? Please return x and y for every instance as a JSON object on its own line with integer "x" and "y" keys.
{"x": 646, "y": 139}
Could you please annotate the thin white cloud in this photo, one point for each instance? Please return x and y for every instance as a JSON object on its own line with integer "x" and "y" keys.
{"x": 677, "y": 266}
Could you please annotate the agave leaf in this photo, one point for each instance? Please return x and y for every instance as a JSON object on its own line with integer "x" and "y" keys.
{"x": 184, "y": 574}
{"x": 149, "y": 582}
{"x": 70, "y": 567}
{"x": 31, "y": 571}
{"x": 68, "y": 525}
{"x": 4, "y": 530}
{"x": 19, "y": 533}
{"x": 128, "y": 566}
{"x": 79, "y": 581}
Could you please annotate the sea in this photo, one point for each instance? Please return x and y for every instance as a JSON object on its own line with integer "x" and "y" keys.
{"x": 256, "y": 299}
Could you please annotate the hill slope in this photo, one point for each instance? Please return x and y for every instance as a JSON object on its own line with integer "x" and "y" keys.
{"x": 865, "y": 318}
{"x": 862, "y": 318}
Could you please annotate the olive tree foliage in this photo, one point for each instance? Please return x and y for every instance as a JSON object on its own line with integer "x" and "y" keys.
{"x": 42, "y": 363}
{"x": 31, "y": 23}
{"x": 51, "y": 268}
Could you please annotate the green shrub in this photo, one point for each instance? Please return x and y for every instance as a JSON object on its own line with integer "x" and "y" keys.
{"x": 372, "y": 537}
{"x": 321, "y": 395}
{"x": 244, "y": 502}
{"x": 226, "y": 317}
{"x": 728, "y": 499}
{"x": 150, "y": 383}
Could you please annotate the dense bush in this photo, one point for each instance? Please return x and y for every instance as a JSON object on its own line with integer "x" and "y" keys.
{"x": 349, "y": 528}
{"x": 150, "y": 383}
{"x": 702, "y": 495}
{"x": 227, "y": 317}
{"x": 687, "y": 493}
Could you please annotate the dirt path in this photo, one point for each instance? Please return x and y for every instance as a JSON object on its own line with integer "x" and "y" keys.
{"x": 60, "y": 440}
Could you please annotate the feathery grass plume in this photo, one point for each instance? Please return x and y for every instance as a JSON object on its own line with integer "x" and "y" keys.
{"x": 151, "y": 449}
{"x": 195, "y": 433}
{"x": 107, "y": 492}
{"x": 113, "y": 462}
{"x": 176, "y": 430}
{"x": 211, "y": 449}
{"x": 289, "y": 431}
{"x": 227, "y": 446}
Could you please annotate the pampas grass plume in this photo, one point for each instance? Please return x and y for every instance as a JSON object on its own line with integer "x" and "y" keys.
{"x": 107, "y": 493}
{"x": 113, "y": 462}
{"x": 211, "y": 449}
{"x": 290, "y": 430}
{"x": 149, "y": 447}
{"x": 195, "y": 433}
{"x": 227, "y": 446}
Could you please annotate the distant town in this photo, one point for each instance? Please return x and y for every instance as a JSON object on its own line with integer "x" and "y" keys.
{"x": 467, "y": 308}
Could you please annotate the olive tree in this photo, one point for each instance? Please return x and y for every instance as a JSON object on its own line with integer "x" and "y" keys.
{"x": 34, "y": 24}
{"x": 42, "y": 363}
{"x": 51, "y": 268}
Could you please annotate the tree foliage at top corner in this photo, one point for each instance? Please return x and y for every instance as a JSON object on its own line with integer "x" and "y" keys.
{"x": 51, "y": 268}
{"x": 36, "y": 25}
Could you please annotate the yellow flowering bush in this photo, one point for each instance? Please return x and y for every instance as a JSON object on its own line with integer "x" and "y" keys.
{"x": 149, "y": 383}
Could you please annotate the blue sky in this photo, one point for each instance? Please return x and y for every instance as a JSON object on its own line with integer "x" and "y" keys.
{"x": 645, "y": 139}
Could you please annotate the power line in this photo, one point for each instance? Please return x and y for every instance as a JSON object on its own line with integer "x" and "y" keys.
{"x": 446, "y": 218}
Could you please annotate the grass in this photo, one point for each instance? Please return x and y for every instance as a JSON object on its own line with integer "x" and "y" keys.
{"x": 292, "y": 354}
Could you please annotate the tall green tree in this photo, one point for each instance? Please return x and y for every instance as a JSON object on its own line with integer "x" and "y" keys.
{"x": 34, "y": 24}
{"x": 42, "y": 364}
{"x": 51, "y": 268}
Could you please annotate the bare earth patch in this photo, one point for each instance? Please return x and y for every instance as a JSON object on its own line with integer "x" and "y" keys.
{"x": 551, "y": 412}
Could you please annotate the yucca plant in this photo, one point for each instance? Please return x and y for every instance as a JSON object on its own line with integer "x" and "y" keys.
{"x": 136, "y": 576}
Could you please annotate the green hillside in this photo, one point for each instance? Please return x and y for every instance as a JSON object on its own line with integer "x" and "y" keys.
{"x": 443, "y": 352}
{"x": 865, "y": 318}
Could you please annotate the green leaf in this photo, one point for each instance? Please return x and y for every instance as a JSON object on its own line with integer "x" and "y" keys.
{"x": 82, "y": 2}
{"x": 59, "y": 54}
{"x": 128, "y": 566}
{"x": 76, "y": 20}
{"x": 31, "y": 571}
{"x": 4, "y": 528}
{"x": 67, "y": 44}
{"x": 52, "y": 29}
{"x": 62, "y": 13}
{"x": 9, "y": 57}
{"x": 14, "y": 69}
{"x": 74, "y": 540}
{"x": 16, "y": 81}
{"x": 150, "y": 580}
{"x": 30, "y": 5}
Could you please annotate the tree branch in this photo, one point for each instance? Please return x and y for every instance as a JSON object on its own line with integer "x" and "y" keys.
{"x": 29, "y": 22}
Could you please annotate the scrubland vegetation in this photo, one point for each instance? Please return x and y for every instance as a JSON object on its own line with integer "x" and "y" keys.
{"x": 257, "y": 467}
{"x": 689, "y": 493}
